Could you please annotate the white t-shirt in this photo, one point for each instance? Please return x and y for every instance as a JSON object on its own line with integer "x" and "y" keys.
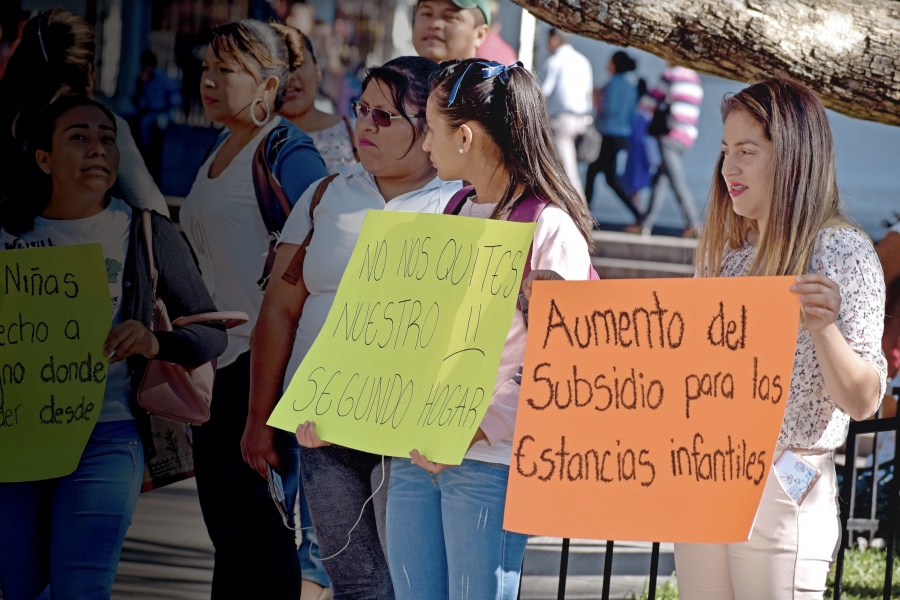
{"x": 558, "y": 245}
{"x": 222, "y": 222}
{"x": 339, "y": 219}
{"x": 110, "y": 228}
{"x": 567, "y": 82}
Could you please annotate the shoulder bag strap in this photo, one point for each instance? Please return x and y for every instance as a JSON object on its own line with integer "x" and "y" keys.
{"x": 351, "y": 136}
{"x": 231, "y": 318}
{"x": 294, "y": 271}
{"x": 147, "y": 227}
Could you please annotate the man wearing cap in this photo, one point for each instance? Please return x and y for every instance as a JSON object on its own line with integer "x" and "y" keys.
{"x": 447, "y": 30}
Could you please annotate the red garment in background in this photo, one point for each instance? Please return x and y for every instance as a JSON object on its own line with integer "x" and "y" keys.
{"x": 495, "y": 48}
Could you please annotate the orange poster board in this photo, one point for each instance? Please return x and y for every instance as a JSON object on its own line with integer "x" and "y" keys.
{"x": 650, "y": 409}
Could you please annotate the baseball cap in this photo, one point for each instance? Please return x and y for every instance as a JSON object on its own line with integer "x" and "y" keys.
{"x": 483, "y": 5}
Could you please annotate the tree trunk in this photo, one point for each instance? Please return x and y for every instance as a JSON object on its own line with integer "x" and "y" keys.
{"x": 848, "y": 51}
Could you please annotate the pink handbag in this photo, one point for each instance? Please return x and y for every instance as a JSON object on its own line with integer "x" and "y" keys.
{"x": 170, "y": 390}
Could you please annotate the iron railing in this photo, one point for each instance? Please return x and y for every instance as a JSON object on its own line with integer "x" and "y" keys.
{"x": 888, "y": 523}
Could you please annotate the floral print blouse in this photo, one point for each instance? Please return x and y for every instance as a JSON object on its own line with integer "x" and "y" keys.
{"x": 847, "y": 257}
{"x": 335, "y": 144}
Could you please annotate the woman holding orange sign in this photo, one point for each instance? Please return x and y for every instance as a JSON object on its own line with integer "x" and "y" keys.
{"x": 774, "y": 210}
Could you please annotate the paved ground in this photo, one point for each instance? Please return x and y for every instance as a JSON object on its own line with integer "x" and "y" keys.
{"x": 168, "y": 555}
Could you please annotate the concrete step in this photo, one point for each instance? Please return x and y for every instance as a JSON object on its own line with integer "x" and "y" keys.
{"x": 654, "y": 248}
{"x": 584, "y": 581}
{"x": 623, "y": 268}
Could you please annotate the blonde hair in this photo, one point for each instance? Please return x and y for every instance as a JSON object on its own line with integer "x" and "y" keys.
{"x": 802, "y": 188}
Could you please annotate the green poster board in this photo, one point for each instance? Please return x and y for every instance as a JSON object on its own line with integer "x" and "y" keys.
{"x": 408, "y": 355}
{"x": 54, "y": 317}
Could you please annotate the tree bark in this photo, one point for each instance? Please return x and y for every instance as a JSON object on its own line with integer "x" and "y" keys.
{"x": 848, "y": 51}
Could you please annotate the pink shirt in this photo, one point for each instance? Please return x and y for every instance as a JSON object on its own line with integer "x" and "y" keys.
{"x": 558, "y": 245}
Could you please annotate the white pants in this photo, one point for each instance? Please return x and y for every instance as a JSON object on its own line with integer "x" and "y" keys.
{"x": 789, "y": 553}
{"x": 565, "y": 128}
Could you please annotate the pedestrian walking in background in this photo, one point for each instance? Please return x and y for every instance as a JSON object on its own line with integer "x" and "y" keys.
{"x": 615, "y": 119}
{"x": 156, "y": 99}
{"x": 567, "y": 81}
{"x": 775, "y": 210}
{"x": 681, "y": 91}
{"x": 450, "y": 29}
{"x": 486, "y": 124}
{"x": 643, "y": 151}
{"x": 245, "y": 73}
{"x": 67, "y": 532}
{"x": 54, "y": 57}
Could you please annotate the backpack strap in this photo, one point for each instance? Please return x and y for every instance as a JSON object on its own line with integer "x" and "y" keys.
{"x": 527, "y": 210}
{"x": 458, "y": 199}
{"x": 274, "y": 205}
{"x": 294, "y": 270}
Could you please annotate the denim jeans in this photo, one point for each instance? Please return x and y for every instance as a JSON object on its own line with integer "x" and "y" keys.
{"x": 311, "y": 566}
{"x": 68, "y": 531}
{"x": 446, "y": 536}
{"x": 338, "y": 481}
{"x": 255, "y": 554}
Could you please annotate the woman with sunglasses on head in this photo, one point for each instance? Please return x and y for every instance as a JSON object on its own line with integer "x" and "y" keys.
{"x": 67, "y": 532}
{"x": 56, "y": 57}
{"x": 775, "y": 209}
{"x": 245, "y": 73}
{"x": 345, "y": 488}
{"x": 487, "y": 124}
{"x": 332, "y": 134}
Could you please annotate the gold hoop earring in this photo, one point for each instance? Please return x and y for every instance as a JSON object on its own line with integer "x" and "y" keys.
{"x": 264, "y": 120}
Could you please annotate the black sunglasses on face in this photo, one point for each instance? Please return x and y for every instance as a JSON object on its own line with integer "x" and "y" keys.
{"x": 381, "y": 118}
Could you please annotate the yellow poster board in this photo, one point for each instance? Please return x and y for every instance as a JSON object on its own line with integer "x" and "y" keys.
{"x": 650, "y": 409}
{"x": 54, "y": 317}
{"x": 408, "y": 356}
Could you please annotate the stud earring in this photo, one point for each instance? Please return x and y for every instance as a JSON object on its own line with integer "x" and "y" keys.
{"x": 461, "y": 150}
{"x": 47, "y": 171}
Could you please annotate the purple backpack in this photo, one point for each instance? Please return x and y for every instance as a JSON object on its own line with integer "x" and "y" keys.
{"x": 526, "y": 210}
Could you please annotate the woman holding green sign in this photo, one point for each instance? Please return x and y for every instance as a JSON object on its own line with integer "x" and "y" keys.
{"x": 775, "y": 210}
{"x": 486, "y": 124}
{"x": 68, "y": 531}
{"x": 345, "y": 488}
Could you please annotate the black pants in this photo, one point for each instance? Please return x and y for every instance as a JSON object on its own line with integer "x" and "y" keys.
{"x": 256, "y": 555}
{"x": 606, "y": 163}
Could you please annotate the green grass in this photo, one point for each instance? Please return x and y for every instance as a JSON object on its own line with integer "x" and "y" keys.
{"x": 863, "y": 578}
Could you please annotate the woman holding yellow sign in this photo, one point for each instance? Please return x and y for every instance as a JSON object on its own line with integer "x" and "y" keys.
{"x": 68, "y": 531}
{"x": 394, "y": 174}
{"x": 486, "y": 124}
{"x": 775, "y": 210}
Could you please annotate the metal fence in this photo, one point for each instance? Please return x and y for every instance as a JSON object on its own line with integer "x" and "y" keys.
{"x": 850, "y": 499}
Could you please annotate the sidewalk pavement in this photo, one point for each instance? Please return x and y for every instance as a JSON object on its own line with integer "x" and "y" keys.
{"x": 168, "y": 555}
